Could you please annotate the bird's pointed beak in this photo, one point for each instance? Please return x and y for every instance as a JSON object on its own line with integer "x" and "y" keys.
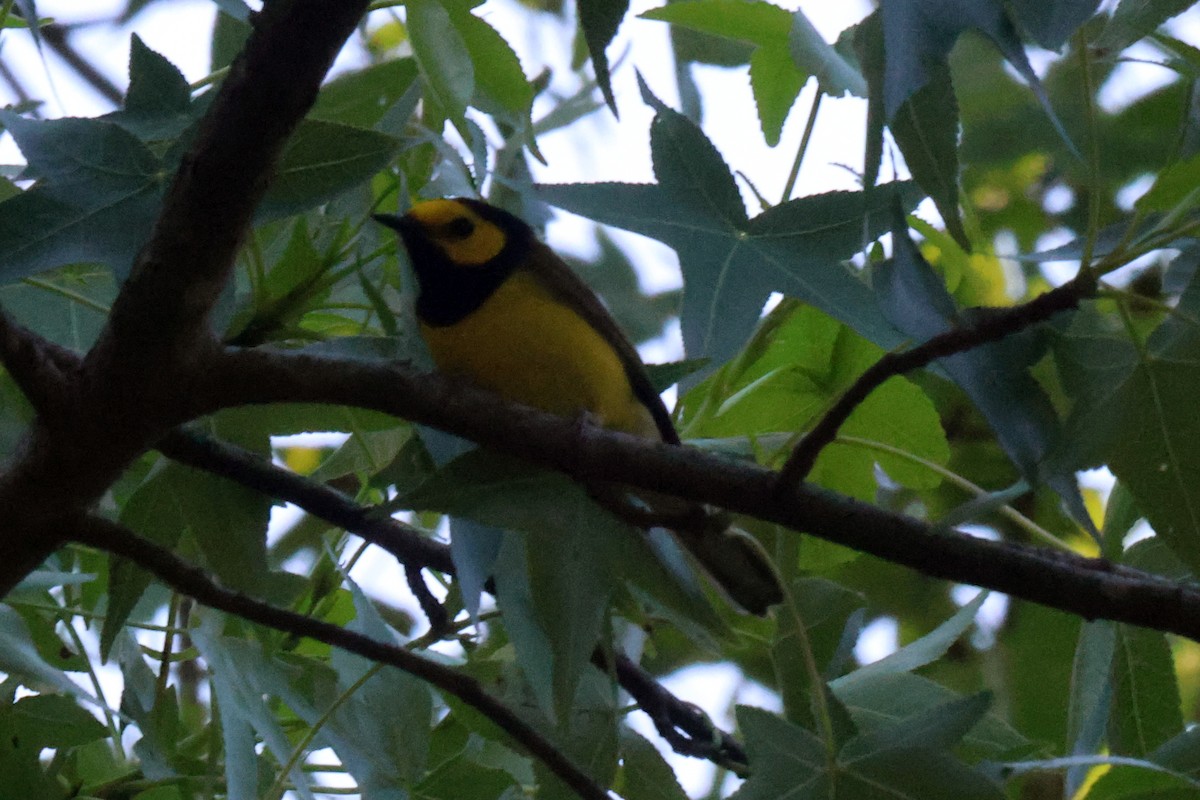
{"x": 394, "y": 222}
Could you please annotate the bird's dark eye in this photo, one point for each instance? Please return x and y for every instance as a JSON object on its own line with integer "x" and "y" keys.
{"x": 460, "y": 228}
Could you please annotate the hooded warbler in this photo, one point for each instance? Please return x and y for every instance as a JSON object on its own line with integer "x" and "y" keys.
{"x": 497, "y": 307}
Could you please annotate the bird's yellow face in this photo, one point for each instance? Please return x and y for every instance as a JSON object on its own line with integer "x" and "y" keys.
{"x": 466, "y": 238}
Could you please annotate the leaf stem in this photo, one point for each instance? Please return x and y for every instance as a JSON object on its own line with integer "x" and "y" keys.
{"x": 1093, "y": 167}
{"x": 1007, "y": 511}
{"x": 790, "y": 186}
{"x": 88, "y": 302}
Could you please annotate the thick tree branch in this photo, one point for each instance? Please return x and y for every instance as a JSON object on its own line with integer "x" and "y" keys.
{"x": 182, "y": 269}
{"x": 137, "y": 382}
{"x": 1091, "y": 588}
{"x": 995, "y": 324}
{"x": 188, "y": 579}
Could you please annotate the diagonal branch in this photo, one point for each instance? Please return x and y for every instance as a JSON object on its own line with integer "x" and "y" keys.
{"x": 1091, "y": 588}
{"x": 250, "y": 470}
{"x": 680, "y": 723}
{"x": 995, "y": 325}
{"x": 182, "y": 270}
{"x": 136, "y": 382}
{"x": 188, "y": 579}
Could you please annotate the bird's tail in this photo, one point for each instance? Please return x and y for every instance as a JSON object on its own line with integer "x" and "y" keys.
{"x": 734, "y": 559}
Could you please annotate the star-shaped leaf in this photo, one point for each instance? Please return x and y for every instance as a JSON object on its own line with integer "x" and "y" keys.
{"x": 1135, "y": 410}
{"x": 97, "y": 193}
{"x": 732, "y": 263}
{"x": 995, "y": 376}
{"x": 918, "y": 36}
{"x": 904, "y": 760}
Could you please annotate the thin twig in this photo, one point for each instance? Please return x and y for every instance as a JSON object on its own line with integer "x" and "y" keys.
{"x": 406, "y": 543}
{"x": 683, "y": 725}
{"x": 989, "y": 327}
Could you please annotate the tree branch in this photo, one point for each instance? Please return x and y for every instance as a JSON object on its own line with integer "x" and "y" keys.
{"x": 190, "y": 580}
{"x": 1091, "y": 588}
{"x": 683, "y": 725}
{"x": 409, "y": 546}
{"x": 688, "y": 731}
{"x": 56, "y": 36}
{"x": 42, "y": 370}
{"x": 992, "y": 326}
{"x": 136, "y": 382}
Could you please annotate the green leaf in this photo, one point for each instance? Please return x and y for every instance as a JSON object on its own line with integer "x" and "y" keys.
{"x": 926, "y": 129}
{"x": 55, "y": 720}
{"x": 228, "y": 522}
{"x": 786, "y": 760}
{"x": 805, "y": 362}
{"x": 599, "y": 20}
{"x": 242, "y": 679}
{"x": 383, "y": 731}
{"x": 645, "y": 773}
{"x": 230, "y": 32}
{"x": 1091, "y": 695}
{"x": 322, "y": 160}
{"x": 776, "y": 83}
{"x": 890, "y": 698}
{"x": 67, "y": 306}
{"x": 1051, "y": 24}
{"x": 925, "y": 650}
{"x": 498, "y": 74}
{"x": 753, "y": 21}
{"x": 1131, "y": 781}
{"x": 1134, "y": 409}
{"x": 96, "y": 198}
{"x": 732, "y": 264}
{"x": 836, "y": 75}
{"x": 474, "y": 548}
{"x": 1134, "y": 19}
{"x": 937, "y": 727}
{"x": 156, "y": 714}
{"x": 1146, "y": 701}
{"x": 463, "y": 778}
{"x": 442, "y": 56}
{"x": 569, "y": 558}
{"x": 364, "y": 452}
{"x": 825, "y": 610}
{"x": 919, "y": 35}
{"x": 556, "y": 580}
{"x": 156, "y": 86}
{"x": 362, "y": 98}
{"x": 19, "y": 657}
{"x": 588, "y": 737}
{"x": 1174, "y": 189}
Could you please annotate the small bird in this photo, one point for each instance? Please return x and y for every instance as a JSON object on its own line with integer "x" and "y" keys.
{"x": 499, "y": 308}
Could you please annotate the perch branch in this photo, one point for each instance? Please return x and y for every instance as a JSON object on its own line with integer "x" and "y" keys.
{"x": 1091, "y": 588}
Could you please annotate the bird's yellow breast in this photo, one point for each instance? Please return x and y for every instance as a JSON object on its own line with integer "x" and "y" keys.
{"x": 526, "y": 346}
